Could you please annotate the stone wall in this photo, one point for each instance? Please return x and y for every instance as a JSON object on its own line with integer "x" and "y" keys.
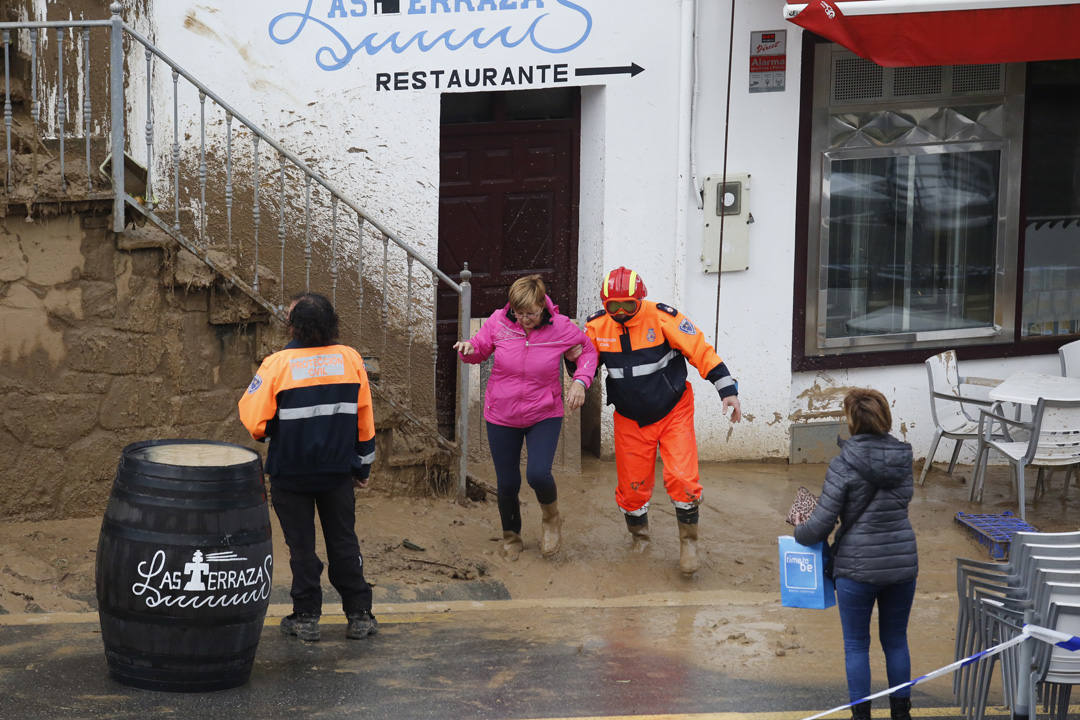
{"x": 97, "y": 351}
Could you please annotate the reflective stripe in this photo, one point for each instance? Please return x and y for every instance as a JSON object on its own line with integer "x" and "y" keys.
{"x": 686, "y": 505}
{"x": 633, "y": 282}
{"x": 639, "y": 512}
{"x": 317, "y": 411}
{"x": 724, "y": 382}
{"x": 367, "y": 459}
{"x": 645, "y": 369}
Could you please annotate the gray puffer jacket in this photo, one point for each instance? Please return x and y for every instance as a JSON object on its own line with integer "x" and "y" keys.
{"x": 880, "y": 547}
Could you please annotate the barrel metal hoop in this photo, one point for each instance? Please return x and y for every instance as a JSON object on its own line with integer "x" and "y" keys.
{"x": 243, "y": 537}
{"x": 181, "y": 502}
{"x": 185, "y": 620}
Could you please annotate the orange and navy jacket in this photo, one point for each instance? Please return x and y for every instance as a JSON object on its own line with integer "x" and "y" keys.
{"x": 646, "y": 360}
{"x": 314, "y": 403}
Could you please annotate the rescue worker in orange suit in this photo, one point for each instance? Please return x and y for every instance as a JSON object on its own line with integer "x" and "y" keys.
{"x": 645, "y": 346}
{"x": 313, "y": 402}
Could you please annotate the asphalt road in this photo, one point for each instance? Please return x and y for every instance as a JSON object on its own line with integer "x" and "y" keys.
{"x": 499, "y": 659}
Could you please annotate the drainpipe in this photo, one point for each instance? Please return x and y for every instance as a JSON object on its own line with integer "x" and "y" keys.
{"x": 685, "y": 185}
{"x": 116, "y": 112}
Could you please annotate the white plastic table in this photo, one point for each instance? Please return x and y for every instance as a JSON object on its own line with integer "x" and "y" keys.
{"x": 1025, "y": 388}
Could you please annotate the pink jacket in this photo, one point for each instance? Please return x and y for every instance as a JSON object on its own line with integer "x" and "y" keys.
{"x": 525, "y": 386}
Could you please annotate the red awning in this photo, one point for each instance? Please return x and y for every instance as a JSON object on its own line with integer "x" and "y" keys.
{"x": 899, "y": 33}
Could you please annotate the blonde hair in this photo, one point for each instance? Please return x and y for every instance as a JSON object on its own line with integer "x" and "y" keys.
{"x": 527, "y": 292}
{"x": 867, "y": 412}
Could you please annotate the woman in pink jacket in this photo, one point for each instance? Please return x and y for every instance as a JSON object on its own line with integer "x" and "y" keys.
{"x": 523, "y": 401}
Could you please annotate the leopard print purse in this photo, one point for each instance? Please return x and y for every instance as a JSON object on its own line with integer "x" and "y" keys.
{"x": 804, "y": 504}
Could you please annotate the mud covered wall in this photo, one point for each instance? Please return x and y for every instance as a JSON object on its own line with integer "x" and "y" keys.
{"x": 95, "y": 353}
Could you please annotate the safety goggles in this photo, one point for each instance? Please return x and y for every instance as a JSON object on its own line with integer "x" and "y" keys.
{"x": 627, "y": 307}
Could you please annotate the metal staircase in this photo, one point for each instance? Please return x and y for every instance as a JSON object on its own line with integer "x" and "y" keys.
{"x": 231, "y": 196}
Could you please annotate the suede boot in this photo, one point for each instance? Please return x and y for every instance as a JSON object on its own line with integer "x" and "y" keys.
{"x": 511, "y": 545}
{"x": 861, "y": 711}
{"x": 639, "y": 529}
{"x": 551, "y": 540}
{"x": 899, "y": 708}
{"x": 688, "y": 557}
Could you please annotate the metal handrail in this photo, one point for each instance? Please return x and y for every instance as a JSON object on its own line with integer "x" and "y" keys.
{"x": 121, "y": 198}
{"x": 330, "y": 187}
{"x": 54, "y": 24}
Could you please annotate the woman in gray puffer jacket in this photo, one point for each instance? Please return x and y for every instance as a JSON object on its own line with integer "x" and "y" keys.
{"x": 868, "y": 487}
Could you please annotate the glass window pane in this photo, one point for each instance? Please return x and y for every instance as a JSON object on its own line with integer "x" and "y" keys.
{"x": 1051, "y": 304}
{"x": 911, "y": 243}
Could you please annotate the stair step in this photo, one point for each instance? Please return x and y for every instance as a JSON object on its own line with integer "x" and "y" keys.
{"x": 233, "y": 307}
{"x": 142, "y": 238}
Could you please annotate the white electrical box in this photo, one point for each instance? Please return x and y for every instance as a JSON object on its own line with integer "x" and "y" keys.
{"x": 729, "y": 202}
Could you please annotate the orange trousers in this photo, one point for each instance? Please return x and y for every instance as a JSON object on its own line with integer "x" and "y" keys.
{"x": 635, "y": 457}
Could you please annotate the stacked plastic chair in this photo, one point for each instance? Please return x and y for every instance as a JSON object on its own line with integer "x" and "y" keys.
{"x": 1040, "y": 584}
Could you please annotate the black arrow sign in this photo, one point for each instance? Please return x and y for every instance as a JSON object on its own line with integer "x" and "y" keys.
{"x": 632, "y": 69}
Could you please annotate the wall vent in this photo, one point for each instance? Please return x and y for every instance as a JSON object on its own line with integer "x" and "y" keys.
{"x": 856, "y": 81}
{"x": 917, "y": 81}
{"x": 977, "y": 79}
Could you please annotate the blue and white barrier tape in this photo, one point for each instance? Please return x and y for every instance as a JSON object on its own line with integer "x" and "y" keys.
{"x": 1053, "y": 637}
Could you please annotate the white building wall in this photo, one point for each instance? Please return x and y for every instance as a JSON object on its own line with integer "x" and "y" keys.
{"x": 638, "y": 196}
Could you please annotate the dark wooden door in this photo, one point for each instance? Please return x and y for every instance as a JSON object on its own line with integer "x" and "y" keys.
{"x": 508, "y": 204}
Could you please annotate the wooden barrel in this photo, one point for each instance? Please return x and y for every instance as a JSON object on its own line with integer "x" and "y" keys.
{"x": 184, "y": 565}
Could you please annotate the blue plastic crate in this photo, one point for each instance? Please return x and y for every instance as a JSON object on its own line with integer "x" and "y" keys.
{"x": 994, "y": 531}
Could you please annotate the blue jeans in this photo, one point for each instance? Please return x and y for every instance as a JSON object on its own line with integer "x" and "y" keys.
{"x": 856, "y": 602}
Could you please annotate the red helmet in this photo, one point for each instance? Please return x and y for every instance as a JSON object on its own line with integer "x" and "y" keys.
{"x": 622, "y": 292}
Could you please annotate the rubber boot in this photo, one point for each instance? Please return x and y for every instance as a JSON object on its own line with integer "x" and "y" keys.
{"x": 511, "y": 545}
{"x": 639, "y": 529}
{"x": 861, "y": 711}
{"x": 551, "y": 540}
{"x": 899, "y": 708}
{"x": 688, "y": 557}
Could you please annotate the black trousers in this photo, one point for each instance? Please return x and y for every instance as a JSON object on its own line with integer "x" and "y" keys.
{"x": 505, "y": 444}
{"x": 337, "y": 514}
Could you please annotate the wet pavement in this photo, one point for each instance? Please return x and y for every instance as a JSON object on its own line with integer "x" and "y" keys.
{"x": 467, "y": 659}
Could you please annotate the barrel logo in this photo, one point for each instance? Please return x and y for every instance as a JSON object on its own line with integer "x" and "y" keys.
{"x": 213, "y": 579}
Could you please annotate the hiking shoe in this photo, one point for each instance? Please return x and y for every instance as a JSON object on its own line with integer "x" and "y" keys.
{"x": 362, "y": 625}
{"x": 305, "y": 627}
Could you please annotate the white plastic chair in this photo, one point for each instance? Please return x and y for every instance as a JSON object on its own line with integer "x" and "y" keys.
{"x": 993, "y": 598}
{"x": 1070, "y": 359}
{"x": 1054, "y": 443}
{"x": 947, "y": 406}
{"x": 1055, "y": 670}
{"x": 989, "y": 593}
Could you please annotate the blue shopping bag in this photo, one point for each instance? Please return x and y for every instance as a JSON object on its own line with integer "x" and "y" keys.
{"x": 802, "y": 575}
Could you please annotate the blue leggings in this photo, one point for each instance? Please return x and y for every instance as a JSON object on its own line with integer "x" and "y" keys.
{"x": 505, "y": 443}
{"x": 856, "y": 603}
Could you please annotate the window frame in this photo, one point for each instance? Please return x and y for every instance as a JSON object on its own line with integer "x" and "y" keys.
{"x": 1008, "y": 291}
{"x": 818, "y": 277}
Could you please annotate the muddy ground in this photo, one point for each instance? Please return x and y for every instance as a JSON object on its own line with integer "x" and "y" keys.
{"x": 49, "y": 566}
